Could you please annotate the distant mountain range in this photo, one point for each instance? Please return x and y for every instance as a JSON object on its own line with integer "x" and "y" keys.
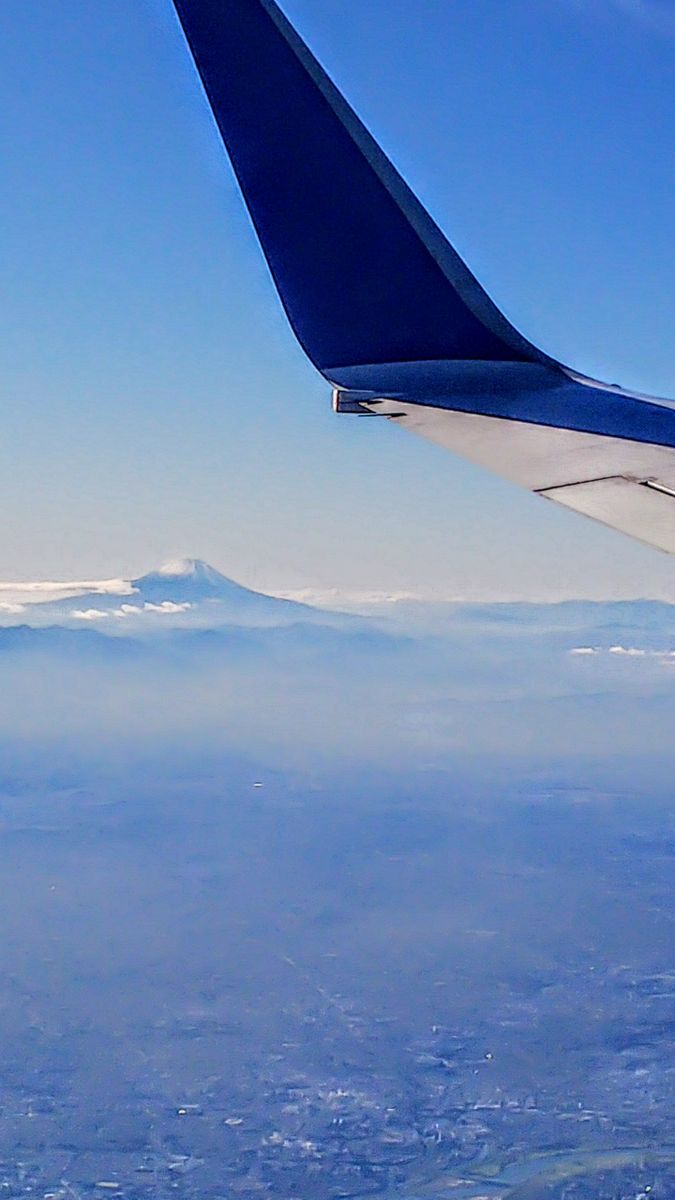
{"x": 189, "y": 594}
{"x": 185, "y": 592}
{"x": 185, "y": 655}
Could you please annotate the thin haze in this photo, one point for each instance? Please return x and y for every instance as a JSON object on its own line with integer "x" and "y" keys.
{"x": 155, "y": 402}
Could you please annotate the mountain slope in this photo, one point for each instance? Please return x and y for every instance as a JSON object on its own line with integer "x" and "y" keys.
{"x": 186, "y": 592}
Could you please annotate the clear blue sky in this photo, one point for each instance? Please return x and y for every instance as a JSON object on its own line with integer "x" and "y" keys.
{"x": 154, "y": 402}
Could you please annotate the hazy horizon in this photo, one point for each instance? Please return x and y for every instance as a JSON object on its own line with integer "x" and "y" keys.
{"x": 42, "y": 590}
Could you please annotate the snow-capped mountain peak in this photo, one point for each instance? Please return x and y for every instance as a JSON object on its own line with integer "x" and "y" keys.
{"x": 190, "y": 579}
{"x": 181, "y": 591}
{"x": 183, "y": 568}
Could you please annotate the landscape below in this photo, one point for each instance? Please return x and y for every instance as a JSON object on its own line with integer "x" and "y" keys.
{"x": 321, "y": 904}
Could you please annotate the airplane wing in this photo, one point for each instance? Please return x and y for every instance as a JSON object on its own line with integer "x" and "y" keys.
{"x": 386, "y": 309}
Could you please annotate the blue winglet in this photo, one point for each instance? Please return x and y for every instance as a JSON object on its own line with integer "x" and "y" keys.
{"x": 364, "y": 274}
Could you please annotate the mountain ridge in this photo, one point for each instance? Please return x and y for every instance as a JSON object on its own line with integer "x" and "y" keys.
{"x": 180, "y": 592}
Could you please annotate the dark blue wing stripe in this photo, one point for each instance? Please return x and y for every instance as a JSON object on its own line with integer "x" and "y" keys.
{"x": 364, "y": 274}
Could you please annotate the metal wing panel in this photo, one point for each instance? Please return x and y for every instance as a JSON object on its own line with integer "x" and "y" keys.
{"x": 637, "y": 508}
{"x": 627, "y": 485}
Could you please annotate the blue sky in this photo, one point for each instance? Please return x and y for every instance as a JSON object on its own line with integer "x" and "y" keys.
{"x": 155, "y": 403}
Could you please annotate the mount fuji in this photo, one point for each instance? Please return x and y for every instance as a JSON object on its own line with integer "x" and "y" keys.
{"x": 185, "y": 592}
{"x": 193, "y": 578}
{"x": 193, "y": 581}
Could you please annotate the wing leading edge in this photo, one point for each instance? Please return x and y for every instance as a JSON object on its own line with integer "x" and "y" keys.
{"x": 385, "y": 308}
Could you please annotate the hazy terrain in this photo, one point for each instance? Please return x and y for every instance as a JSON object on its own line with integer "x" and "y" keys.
{"x": 308, "y": 904}
{"x": 193, "y": 659}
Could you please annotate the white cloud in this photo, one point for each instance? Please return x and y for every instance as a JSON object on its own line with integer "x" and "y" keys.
{"x": 90, "y": 614}
{"x": 664, "y": 656}
{"x": 338, "y": 599}
{"x": 165, "y": 608}
{"x": 44, "y": 590}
